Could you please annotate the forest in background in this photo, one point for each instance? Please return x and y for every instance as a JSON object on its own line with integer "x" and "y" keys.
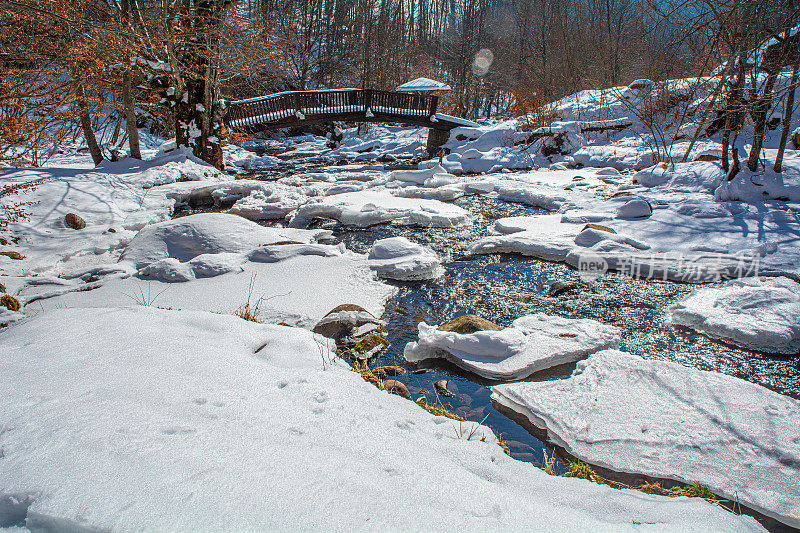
{"x": 171, "y": 64}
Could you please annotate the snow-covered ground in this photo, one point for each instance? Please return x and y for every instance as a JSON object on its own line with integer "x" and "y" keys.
{"x": 672, "y": 422}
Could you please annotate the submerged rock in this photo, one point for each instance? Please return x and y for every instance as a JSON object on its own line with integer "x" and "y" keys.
{"x": 560, "y": 287}
{"x": 395, "y": 387}
{"x": 383, "y": 371}
{"x": 441, "y": 387}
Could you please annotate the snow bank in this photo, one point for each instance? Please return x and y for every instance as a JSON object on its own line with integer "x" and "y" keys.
{"x": 668, "y": 421}
{"x": 532, "y": 343}
{"x": 761, "y": 315}
{"x": 242, "y": 426}
{"x": 400, "y": 259}
{"x": 371, "y": 207}
{"x": 699, "y": 176}
{"x": 618, "y": 157}
{"x": 209, "y": 233}
{"x": 764, "y": 185}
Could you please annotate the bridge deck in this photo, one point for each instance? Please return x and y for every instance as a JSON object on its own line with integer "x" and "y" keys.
{"x": 297, "y": 108}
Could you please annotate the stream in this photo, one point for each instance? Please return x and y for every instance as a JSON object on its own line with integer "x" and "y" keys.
{"x": 504, "y": 287}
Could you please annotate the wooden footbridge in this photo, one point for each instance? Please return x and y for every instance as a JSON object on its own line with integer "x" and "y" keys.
{"x": 301, "y": 108}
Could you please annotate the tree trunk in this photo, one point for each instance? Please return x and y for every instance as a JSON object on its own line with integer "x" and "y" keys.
{"x": 86, "y": 120}
{"x": 787, "y": 118}
{"x": 198, "y": 109}
{"x": 130, "y": 115}
{"x": 127, "y": 94}
{"x": 759, "y": 114}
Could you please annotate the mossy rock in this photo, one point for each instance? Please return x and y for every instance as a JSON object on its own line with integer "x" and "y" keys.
{"x": 366, "y": 347}
{"x": 469, "y": 324}
{"x": 395, "y": 387}
{"x": 560, "y": 287}
{"x": 9, "y": 302}
{"x": 74, "y": 221}
{"x": 598, "y": 227}
{"x": 13, "y": 255}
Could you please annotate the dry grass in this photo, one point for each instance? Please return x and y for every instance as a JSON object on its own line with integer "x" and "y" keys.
{"x": 583, "y": 470}
{"x": 548, "y": 463}
{"x": 438, "y": 409}
{"x": 249, "y": 312}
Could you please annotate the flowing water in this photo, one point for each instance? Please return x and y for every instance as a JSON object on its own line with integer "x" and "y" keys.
{"x": 503, "y": 287}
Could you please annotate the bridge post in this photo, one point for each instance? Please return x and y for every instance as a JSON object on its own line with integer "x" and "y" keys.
{"x": 436, "y": 138}
{"x": 434, "y": 104}
{"x": 367, "y": 99}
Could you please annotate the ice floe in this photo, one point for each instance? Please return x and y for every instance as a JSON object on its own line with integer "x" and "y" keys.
{"x": 532, "y": 343}
{"x": 400, "y": 259}
{"x": 668, "y": 421}
{"x": 762, "y": 315}
{"x": 371, "y": 207}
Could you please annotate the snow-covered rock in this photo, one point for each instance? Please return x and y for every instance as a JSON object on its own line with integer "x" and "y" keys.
{"x": 208, "y": 233}
{"x": 662, "y": 419}
{"x": 532, "y": 343}
{"x": 635, "y": 208}
{"x": 761, "y": 315}
{"x": 371, "y": 207}
{"x": 591, "y": 237}
{"x": 400, "y": 259}
{"x": 146, "y": 419}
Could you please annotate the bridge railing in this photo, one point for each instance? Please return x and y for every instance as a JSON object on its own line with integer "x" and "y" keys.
{"x": 297, "y": 106}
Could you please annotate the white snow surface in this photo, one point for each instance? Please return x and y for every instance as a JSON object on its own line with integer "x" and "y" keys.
{"x": 403, "y": 260}
{"x": 130, "y": 419}
{"x": 371, "y": 207}
{"x": 665, "y": 420}
{"x": 757, "y": 314}
{"x": 532, "y": 343}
